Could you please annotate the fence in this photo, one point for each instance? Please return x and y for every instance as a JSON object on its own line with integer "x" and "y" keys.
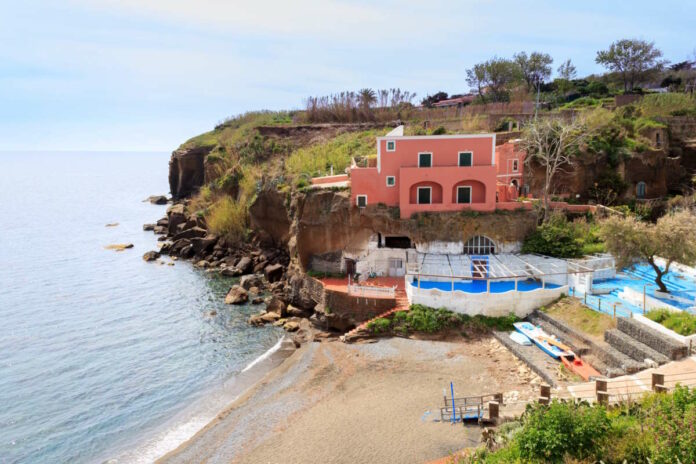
{"x": 366, "y": 290}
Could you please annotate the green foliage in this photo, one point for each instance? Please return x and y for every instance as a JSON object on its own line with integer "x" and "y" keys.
{"x": 228, "y": 218}
{"x": 664, "y": 104}
{"x": 552, "y": 433}
{"x": 439, "y": 130}
{"x": 556, "y": 237}
{"x": 608, "y": 187}
{"x": 681, "y": 322}
{"x": 505, "y": 124}
{"x": 673, "y": 421}
{"x": 380, "y": 325}
{"x": 316, "y": 160}
{"x": 421, "y": 318}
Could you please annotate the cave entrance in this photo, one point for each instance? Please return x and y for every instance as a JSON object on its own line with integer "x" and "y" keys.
{"x": 397, "y": 242}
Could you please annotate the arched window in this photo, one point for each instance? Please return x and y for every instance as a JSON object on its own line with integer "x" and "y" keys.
{"x": 640, "y": 189}
{"x": 479, "y": 245}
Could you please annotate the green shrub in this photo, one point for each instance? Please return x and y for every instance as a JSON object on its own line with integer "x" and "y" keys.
{"x": 439, "y": 130}
{"x": 556, "y": 237}
{"x": 673, "y": 421}
{"x": 664, "y": 104}
{"x": 228, "y": 218}
{"x": 554, "y": 432}
{"x": 380, "y": 325}
{"x": 681, "y": 322}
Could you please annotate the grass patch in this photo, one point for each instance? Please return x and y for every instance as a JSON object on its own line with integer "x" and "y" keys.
{"x": 579, "y": 316}
{"x": 680, "y": 322}
{"x": 430, "y": 320}
{"x": 316, "y": 160}
{"x": 228, "y": 218}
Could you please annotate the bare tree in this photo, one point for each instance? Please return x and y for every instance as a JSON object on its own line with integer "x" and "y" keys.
{"x": 552, "y": 144}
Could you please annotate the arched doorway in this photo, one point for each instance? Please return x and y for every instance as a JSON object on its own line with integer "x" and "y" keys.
{"x": 479, "y": 245}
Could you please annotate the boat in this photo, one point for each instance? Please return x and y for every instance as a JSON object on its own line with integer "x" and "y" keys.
{"x": 576, "y": 365}
{"x": 541, "y": 339}
{"x": 520, "y": 339}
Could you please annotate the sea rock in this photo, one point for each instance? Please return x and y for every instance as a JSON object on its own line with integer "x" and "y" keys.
{"x": 273, "y": 272}
{"x": 291, "y": 326}
{"x": 163, "y": 222}
{"x": 257, "y": 300}
{"x": 251, "y": 280}
{"x": 231, "y": 272}
{"x": 244, "y": 265}
{"x": 151, "y": 256}
{"x": 157, "y": 199}
{"x": 179, "y": 245}
{"x": 148, "y": 226}
{"x": 193, "y": 232}
{"x": 236, "y": 295}
{"x": 160, "y": 230}
{"x": 260, "y": 266}
{"x": 254, "y": 290}
{"x": 175, "y": 216}
{"x": 119, "y": 246}
{"x": 112, "y": 224}
{"x": 202, "y": 245}
{"x": 294, "y": 311}
{"x": 264, "y": 318}
{"x": 203, "y": 264}
{"x": 276, "y": 305}
{"x": 187, "y": 170}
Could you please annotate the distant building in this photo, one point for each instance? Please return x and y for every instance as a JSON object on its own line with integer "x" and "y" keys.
{"x": 455, "y": 102}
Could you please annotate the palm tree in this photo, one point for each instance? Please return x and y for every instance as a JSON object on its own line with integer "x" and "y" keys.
{"x": 367, "y": 98}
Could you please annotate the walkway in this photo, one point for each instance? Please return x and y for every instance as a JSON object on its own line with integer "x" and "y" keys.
{"x": 631, "y": 386}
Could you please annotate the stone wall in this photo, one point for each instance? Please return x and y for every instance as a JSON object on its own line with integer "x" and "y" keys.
{"x": 357, "y": 309}
{"x": 655, "y": 340}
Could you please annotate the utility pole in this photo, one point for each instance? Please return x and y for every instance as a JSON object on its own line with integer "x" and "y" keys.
{"x": 536, "y": 107}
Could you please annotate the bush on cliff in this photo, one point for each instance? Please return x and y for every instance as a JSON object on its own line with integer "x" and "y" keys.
{"x": 228, "y": 218}
{"x": 556, "y": 237}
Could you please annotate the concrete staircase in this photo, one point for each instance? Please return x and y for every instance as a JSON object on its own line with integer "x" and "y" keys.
{"x": 603, "y": 357}
{"x": 401, "y": 305}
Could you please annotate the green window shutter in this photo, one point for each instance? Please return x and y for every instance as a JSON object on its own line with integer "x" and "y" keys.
{"x": 465, "y": 159}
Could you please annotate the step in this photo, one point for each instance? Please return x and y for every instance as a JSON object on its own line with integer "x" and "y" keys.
{"x": 617, "y": 362}
{"x": 632, "y": 347}
{"x": 671, "y": 348}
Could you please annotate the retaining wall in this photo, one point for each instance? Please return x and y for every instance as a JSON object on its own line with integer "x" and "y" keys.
{"x": 488, "y": 304}
{"x": 652, "y": 338}
{"x": 520, "y": 352}
{"x": 684, "y": 340}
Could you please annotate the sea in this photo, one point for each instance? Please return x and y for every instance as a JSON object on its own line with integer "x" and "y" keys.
{"x": 105, "y": 357}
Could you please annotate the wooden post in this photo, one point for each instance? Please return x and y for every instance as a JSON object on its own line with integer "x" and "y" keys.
{"x": 614, "y": 310}
{"x": 658, "y": 380}
{"x": 644, "y": 300}
{"x": 545, "y": 394}
{"x": 419, "y": 281}
{"x": 493, "y": 410}
{"x": 586, "y": 296}
{"x": 600, "y": 386}
{"x": 603, "y": 398}
{"x": 498, "y": 398}
{"x": 599, "y": 304}
{"x": 488, "y": 285}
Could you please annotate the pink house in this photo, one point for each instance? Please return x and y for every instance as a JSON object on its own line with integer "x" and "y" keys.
{"x": 433, "y": 173}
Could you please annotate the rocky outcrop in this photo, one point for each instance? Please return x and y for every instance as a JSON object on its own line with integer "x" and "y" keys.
{"x": 269, "y": 216}
{"x": 151, "y": 256}
{"x": 187, "y": 171}
{"x": 237, "y": 295}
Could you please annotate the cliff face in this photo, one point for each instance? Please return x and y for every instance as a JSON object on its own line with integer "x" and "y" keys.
{"x": 187, "y": 171}
{"x": 325, "y": 222}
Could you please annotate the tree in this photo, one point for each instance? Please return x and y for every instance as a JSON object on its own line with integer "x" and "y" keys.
{"x": 671, "y": 238}
{"x": 367, "y": 98}
{"x": 495, "y": 76}
{"x": 430, "y": 100}
{"x": 567, "y": 71}
{"x": 633, "y": 59}
{"x": 476, "y": 78}
{"x": 552, "y": 144}
{"x": 535, "y": 68}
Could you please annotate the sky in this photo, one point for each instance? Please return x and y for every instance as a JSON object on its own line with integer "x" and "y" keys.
{"x": 149, "y": 74}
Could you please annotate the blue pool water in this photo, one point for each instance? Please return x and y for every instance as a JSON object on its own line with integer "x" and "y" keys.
{"x": 637, "y": 278}
{"x": 479, "y": 286}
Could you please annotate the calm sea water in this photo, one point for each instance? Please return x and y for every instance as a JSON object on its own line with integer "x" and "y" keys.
{"x": 103, "y": 355}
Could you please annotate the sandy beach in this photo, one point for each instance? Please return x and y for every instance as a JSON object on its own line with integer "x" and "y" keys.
{"x": 372, "y": 402}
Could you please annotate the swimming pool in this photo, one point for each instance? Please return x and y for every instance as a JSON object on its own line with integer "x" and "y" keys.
{"x": 480, "y": 286}
{"x": 607, "y": 292}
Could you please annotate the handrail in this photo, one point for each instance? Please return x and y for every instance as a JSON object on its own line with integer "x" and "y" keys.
{"x": 362, "y": 290}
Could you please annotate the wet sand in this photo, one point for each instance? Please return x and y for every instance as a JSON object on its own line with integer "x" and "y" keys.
{"x": 340, "y": 403}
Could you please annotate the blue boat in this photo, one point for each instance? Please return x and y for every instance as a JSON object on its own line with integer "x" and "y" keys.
{"x": 548, "y": 345}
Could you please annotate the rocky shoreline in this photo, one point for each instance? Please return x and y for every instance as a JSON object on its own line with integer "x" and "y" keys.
{"x": 262, "y": 269}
